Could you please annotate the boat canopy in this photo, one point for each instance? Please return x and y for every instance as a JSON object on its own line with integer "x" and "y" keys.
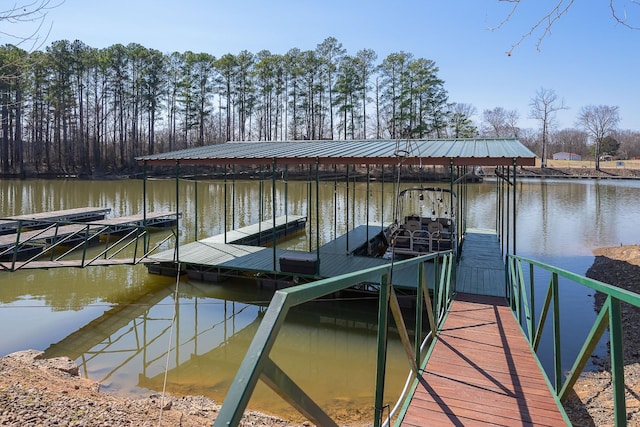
{"x": 446, "y": 152}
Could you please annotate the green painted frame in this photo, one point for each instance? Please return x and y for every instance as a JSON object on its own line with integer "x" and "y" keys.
{"x": 257, "y": 364}
{"x": 523, "y": 305}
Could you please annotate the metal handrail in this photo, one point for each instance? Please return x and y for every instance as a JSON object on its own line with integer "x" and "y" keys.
{"x": 523, "y": 305}
{"x": 258, "y": 365}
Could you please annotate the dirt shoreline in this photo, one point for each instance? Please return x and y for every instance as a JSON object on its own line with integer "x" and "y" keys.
{"x": 592, "y": 401}
{"x": 48, "y": 392}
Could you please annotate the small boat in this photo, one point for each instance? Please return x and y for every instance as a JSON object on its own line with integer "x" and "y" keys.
{"x": 425, "y": 223}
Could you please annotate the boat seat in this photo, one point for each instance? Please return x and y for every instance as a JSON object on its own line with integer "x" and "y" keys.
{"x": 434, "y": 227}
{"x": 412, "y": 225}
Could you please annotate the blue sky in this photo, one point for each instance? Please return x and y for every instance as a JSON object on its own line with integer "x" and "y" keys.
{"x": 588, "y": 58}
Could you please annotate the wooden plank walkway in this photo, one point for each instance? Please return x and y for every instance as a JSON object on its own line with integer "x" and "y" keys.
{"x": 481, "y": 266}
{"x": 482, "y": 372}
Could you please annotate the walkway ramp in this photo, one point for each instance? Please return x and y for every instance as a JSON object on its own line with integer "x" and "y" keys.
{"x": 481, "y": 267}
{"x": 482, "y": 372}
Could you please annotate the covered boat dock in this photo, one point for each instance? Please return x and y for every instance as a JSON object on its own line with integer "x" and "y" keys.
{"x": 207, "y": 258}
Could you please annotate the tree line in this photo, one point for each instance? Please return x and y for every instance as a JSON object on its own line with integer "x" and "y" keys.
{"x": 76, "y": 109}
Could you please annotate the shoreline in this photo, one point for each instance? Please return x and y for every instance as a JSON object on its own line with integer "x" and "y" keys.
{"x": 39, "y": 391}
{"x": 591, "y": 403}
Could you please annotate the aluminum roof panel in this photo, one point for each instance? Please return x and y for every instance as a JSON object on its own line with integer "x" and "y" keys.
{"x": 485, "y": 152}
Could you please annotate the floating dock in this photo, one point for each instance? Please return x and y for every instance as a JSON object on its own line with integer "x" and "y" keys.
{"x": 156, "y": 220}
{"x": 11, "y": 224}
{"x": 27, "y": 237}
{"x": 211, "y": 260}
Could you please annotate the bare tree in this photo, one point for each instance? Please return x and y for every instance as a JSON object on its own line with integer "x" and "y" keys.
{"x": 543, "y": 25}
{"x": 599, "y": 121}
{"x": 33, "y": 13}
{"x": 544, "y": 107}
{"x": 500, "y": 123}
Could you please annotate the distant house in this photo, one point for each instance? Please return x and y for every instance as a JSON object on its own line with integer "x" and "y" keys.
{"x": 563, "y": 155}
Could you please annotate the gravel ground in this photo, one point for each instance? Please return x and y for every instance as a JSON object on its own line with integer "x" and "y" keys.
{"x": 592, "y": 403}
{"x": 47, "y": 392}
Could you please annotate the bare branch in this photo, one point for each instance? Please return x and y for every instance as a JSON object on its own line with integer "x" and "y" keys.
{"x": 28, "y": 13}
{"x": 620, "y": 20}
{"x": 544, "y": 24}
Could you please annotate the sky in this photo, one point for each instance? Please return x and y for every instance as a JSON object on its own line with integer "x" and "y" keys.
{"x": 588, "y": 58}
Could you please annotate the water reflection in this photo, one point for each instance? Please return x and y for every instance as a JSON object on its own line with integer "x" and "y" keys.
{"x": 116, "y": 321}
{"x": 126, "y": 348}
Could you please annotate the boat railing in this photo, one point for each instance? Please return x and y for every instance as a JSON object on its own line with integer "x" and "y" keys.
{"x": 258, "y": 365}
{"x": 524, "y": 276}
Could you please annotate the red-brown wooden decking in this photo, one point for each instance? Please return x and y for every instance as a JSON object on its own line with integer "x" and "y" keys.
{"x": 482, "y": 372}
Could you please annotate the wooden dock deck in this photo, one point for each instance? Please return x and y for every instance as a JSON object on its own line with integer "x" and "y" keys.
{"x": 210, "y": 259}
{"x": 262, "y": 232}
{"x": 482, "y": 372}
{"x": 162, "y": 219}
{"x": 481, "y": 266}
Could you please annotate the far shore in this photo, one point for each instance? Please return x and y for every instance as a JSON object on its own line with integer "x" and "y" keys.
{"x": 554, "y": 169}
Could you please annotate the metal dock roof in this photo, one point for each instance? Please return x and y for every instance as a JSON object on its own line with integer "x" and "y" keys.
{"x": 459, "y": 152}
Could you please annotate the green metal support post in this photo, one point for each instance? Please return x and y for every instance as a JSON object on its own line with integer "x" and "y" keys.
{"x": 318, "y": 216}
{"x": 144, "y": 204}
{"x": 224, "y": 221}
{"x": 195, "y": 200}
{"x": 381, "y": 365}
{"x": 177, "y": 210}
{"x": 617, "y": 363}
{"x": 557, "y": 356}
{"x": 273, "y": 212}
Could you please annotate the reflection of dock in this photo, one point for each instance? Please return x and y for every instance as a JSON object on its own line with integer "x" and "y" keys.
{"x": 85, "y": 339}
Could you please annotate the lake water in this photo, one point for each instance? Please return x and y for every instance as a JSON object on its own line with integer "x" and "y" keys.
{"x": 116, "y": 322}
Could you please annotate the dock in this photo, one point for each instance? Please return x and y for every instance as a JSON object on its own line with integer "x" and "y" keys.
{"x": 481, "y": 266}
{"x": 11, "y": 224}
{"x": 156, "y": 220}
{"x": 481, "y": 370}
{"x": 211, "y": 260}
{"x": 262, "y": 232}
{"x": 26, "y": 238}
{"x": 29, "y": 243}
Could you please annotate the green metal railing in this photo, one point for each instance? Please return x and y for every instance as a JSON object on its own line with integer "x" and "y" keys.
{"x": 258, "y": 365}
{"x": 522, "y": 297}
